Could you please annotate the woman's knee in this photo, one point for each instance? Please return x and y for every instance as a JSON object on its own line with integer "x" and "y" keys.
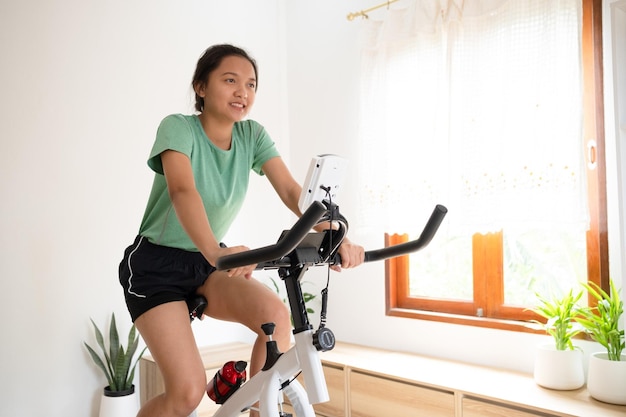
{"x": 187, "y": 395}
{"x": 191, "y": 401}
{"x": 275, "y": 310}
{"x": 280, "y": 315}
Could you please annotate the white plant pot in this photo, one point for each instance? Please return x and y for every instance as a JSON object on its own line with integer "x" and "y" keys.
{"x": 606, "y": 381}
{"x": 115, "y": 405}
{"x": 558, "y": 369}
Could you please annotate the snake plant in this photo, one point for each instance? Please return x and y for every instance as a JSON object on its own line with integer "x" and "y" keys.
{"x": 116, "y": 362}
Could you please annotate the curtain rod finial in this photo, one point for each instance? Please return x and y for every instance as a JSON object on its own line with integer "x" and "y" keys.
{"x": 352, "y": 16}
{"x": 363, "y": 13}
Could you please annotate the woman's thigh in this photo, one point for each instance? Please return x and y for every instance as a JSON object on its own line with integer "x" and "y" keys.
{"x": 168, "y": 335}
{"x": 242, "y": 300}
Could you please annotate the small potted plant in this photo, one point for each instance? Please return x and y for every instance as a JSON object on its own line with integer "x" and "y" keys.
{"x": 119, "y": 398}
{"x": 606, "y": 380}
{"x": 559, "y": 365}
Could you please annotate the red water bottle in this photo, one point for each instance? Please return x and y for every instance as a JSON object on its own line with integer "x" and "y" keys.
{"x": 226, "y": 381}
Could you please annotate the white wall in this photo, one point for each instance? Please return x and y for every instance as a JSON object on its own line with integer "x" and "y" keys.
{"x": 84, "y": 85}
{"x": 614, "y": 34}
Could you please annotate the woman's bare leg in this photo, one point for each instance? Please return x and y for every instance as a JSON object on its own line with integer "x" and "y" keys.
{"x": 251, "y": 303}
{"x": 168, "y": 335}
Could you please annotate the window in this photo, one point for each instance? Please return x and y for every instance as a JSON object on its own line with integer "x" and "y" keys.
{"x": 489, "y": 112}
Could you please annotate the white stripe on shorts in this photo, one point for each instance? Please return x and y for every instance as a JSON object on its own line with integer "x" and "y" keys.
{"x": 130, "y": 268}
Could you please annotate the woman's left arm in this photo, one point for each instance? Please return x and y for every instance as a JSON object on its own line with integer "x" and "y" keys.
{"x": 283, "y": 182}
{"x": 289, "y": 192}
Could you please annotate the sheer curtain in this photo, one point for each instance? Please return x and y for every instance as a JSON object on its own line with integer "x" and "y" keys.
{"x": 477, "y": 105}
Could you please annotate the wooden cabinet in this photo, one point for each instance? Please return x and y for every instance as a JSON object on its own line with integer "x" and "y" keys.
{"x": 213, "y": 357}
{"x": 368, "y": 382}
{"x": 381, "y": 382}
{"x": 335, "y": 381}
{"x": 375, "y": 396}
{"x": 481, "y": 408}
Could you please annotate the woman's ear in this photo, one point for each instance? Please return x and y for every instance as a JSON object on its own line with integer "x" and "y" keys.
{"x": 199, "y": 88}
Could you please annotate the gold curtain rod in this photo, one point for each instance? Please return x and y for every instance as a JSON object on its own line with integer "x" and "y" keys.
{"x": 363, "y": 13}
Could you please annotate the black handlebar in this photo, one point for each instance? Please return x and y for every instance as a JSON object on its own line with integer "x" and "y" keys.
{"x": 414, "y": 245}
{"x": 286, "y": 244}
{"x": 303, "y": 226}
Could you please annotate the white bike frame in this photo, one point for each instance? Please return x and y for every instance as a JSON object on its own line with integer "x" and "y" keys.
{"x": 265, "y": 387}
{"x": 294, "y": 253}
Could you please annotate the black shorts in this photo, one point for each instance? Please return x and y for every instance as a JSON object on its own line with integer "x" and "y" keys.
{"x": 152, "y": 275}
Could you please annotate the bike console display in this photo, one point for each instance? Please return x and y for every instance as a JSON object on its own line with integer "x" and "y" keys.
{"x": 323, "y": 179}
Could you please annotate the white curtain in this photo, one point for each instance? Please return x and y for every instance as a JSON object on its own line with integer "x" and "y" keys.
{"x": 476, "y": 105}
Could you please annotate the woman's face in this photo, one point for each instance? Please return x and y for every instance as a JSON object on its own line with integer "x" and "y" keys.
{"x": 230, "y": 89}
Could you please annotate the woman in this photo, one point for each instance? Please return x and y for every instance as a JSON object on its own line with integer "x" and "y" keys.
{"x": 202, "y": 163}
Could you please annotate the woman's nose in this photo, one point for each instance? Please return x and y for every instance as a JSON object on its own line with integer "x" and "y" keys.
{"x": 241, "y": 92}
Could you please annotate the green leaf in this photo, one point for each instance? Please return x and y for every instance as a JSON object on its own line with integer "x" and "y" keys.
{"x": 602, "y": 322}
{"x": 560, "y": 314}
{"x": 98, "y": 361}
{"x": 117, "y": 369}
{"x": 114, "y": 340}
{"x": 121, "y": 369}
{"x": 275, "y": 286}
{"x": 100, "y": 340}
{"x": 131, "y": 377}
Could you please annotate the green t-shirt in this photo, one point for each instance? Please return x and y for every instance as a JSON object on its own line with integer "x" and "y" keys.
{"x": 221, "y": 176}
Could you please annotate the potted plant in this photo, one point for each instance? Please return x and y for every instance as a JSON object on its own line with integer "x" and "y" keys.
{"x": 606, "y": 380}
{"x": 559, "y": 365}
{"x": 119, "y": 398}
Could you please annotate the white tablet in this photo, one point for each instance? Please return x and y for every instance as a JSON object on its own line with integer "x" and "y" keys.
{"x": 323, "y": 180}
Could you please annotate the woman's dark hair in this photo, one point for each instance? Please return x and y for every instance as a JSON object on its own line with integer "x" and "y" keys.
{"x": 211, "y": 59}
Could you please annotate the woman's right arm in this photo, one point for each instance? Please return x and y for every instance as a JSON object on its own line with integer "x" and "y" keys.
{"x": 191, "y": 212}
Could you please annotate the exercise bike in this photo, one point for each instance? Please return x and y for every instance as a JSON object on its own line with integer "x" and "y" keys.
{"x": 297, "y": 250}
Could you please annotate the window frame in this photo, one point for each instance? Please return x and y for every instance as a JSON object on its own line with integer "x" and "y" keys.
{"x": 487, "y": 309}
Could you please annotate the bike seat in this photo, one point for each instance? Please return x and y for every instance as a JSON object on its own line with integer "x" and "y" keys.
{"x": 196, "y": 305}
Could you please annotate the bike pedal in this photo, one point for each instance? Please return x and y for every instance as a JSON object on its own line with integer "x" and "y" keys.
{"x": 281, "y": 414}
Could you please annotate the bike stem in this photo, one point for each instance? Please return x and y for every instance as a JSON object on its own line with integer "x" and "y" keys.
{"x": 292, "y": 278}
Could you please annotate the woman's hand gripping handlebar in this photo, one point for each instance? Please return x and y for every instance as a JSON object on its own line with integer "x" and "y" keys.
{"x": 290, "y": 240}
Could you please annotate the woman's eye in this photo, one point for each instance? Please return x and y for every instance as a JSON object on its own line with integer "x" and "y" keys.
{"x": 252, "y": 85}
{"x": 230, "y": 80}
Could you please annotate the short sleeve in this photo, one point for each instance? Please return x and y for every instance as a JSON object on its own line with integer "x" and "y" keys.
{"x": 174, "y": 133}
{"x": 264, "y": 149}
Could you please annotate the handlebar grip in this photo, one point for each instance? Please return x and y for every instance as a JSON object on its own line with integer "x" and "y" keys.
{"x": 285, "y": 245}
{"x": 413, "y": 246}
